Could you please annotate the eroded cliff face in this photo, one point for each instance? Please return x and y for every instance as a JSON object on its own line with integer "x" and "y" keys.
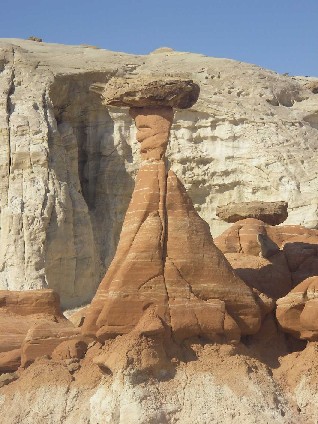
{"x": 67, "y": 164}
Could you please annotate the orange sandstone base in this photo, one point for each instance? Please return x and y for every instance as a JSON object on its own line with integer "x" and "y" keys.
{"x": 166, "y": 259}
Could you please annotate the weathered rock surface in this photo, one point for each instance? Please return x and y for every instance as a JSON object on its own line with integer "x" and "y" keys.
{"x": 10, "y": 361}
{"x": 33, "y": 302}
{"x": 272, "y": 259}
{"x": 67, "y": 165}
{"x": 150, "y": 269}
{"x": 194, "y": 266}
{"x": 272, "y": 213}
{"x": 298, "y": 372}
{"x": 149, "y": 91}
{"x": 19, "y": 311}
{"x": 297, "y": 312}
{"x": 44, "y": 337}
{"x": 240, "y": 388}
{"x": 70, "y": 349}
{"x": 153, "y": 125}
{"x": 31, "y": 325}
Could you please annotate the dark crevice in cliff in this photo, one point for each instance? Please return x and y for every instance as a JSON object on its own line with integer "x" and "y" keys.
{"x": 10, "y": 110}
{"x": 105, "y": 184}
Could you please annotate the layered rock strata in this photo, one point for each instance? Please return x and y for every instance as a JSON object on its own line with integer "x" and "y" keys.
{"x": 166, "y": 256}
{"x": 31, "y": 325}
{"x": 149, "y": 91}
{"x": 297, "y": 312}
{"x": 68, "y": 164}
{"x": 272, "y": 259}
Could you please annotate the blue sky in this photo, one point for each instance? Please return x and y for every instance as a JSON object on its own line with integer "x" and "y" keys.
{"x": 277, "y": 34}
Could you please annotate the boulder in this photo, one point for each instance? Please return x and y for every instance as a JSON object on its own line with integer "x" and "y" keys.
{"x": 31, "y": 302}
{"x": 301, "y": 252}
{"x": 272, "y": 213}
{"x": 148, "y": 91}
{"x": 10, "y": 361}
{"x": 43, "y": 337}
{"x": 20, "y": 310}
{"x": 31, "y": 325}
{"x": 272, "y": 259}
{"x": 243, "y": 237}
{"x": 269, "y": 276}
{"x": 297, "y": 313}
{"x": 70, "y": 349}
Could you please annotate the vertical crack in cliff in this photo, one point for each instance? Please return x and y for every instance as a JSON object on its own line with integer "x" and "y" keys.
{"x": 8, "y": 162}
{"x": 10, "y": 110}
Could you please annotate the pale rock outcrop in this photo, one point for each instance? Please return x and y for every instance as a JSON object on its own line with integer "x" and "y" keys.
{"x": 298, "y": 372}
{"x": 149, "y": 92}
{"x": 67, "y": 165}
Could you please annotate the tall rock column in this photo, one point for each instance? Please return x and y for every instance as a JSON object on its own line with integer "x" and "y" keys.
{"x": 166, "y": 258}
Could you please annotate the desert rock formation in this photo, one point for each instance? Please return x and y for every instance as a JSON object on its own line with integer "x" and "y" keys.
{"x": 272, "y": 213}
{"x": 149, "y": 92}
{"x": 271, "y": 259}
{"x": 149, "y": 268}
{"x": 68, "y": 164}
{"x": 31, "y": 325}
{"x": 141, "y": 376}
{"x": 297, "y": 312}
{"x": 173, "y": 334}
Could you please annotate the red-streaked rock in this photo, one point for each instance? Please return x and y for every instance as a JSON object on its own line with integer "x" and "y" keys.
{"x": 21, "y": 313}
{"x": 31, "y": 302}
{"x": 13, "y": 329}
{"x": 242, "y": 237}
{"x": 271, "y": 259}
{"x": 144, "y": 272}
{"x": 297, "y": 313}
{"x": 135, "y": 278}
{"x": 153, "y": 125}
{"x": 202, "y": 267}
{"x": 166, "y": 257}
{"x": 44, "y": 337}
{"x": 10, "y": 361}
